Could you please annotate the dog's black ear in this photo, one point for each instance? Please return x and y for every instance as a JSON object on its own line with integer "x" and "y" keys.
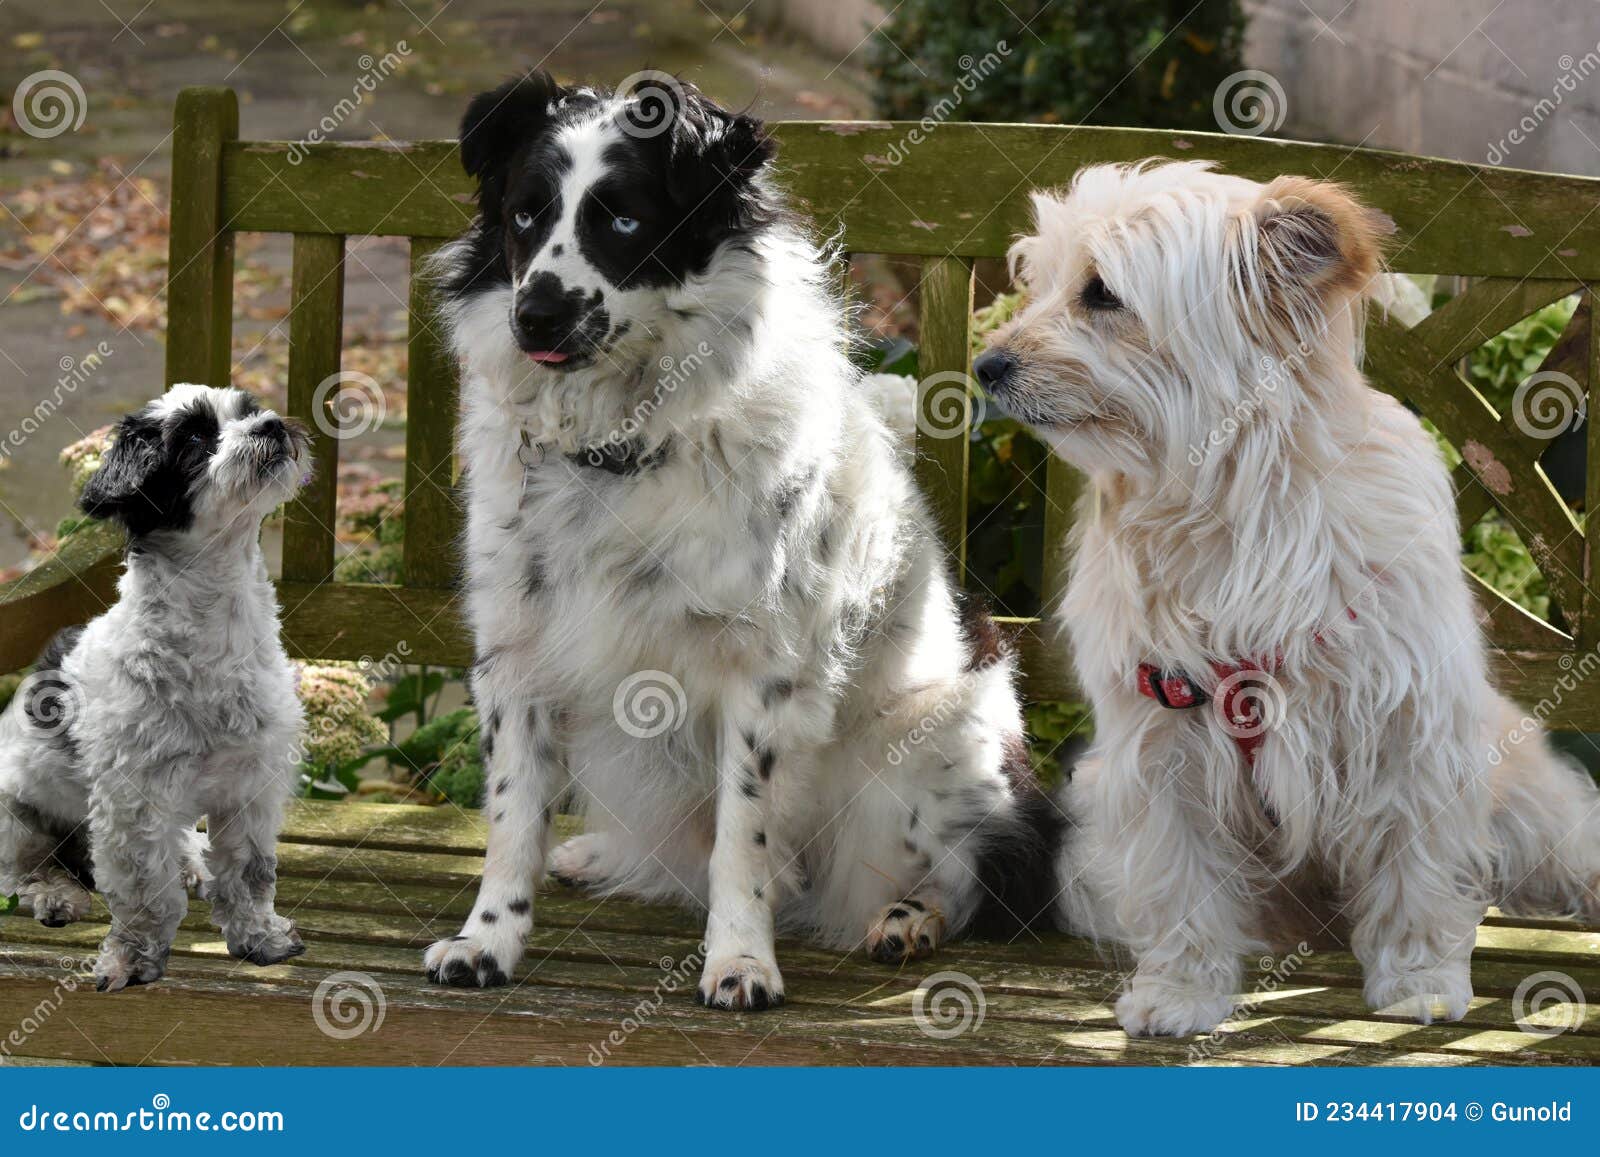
{"x": 118, "y": 489}
{"x": 1315, "y": 241}
{"x": 716, "y": 157}
{"x": 498, "y": 123}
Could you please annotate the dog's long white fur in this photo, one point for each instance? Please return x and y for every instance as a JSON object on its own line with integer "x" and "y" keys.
{"x": 777, "y": 565}
{"x": 1254, "y": 499}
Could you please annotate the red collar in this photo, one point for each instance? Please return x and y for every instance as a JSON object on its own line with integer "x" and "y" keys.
{"x": 1238, "y": 695}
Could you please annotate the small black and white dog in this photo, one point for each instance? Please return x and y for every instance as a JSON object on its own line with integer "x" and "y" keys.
{"x": 179, "y": 701}
{"x": 708, "y": 602}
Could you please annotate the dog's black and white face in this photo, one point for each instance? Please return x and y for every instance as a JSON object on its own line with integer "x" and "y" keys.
{"x": 198, "y": 459}
{"x": 599, "y": 214}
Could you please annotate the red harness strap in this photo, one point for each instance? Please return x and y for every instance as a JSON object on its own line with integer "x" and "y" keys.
{"x": 1238, "y": 704}
{"x": 1240, "y": 712}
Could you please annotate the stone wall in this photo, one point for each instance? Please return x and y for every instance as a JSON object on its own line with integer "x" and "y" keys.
{"x": 1513, "y": 83}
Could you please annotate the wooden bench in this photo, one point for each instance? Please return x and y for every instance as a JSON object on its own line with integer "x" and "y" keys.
{"x": 610, "y": 982}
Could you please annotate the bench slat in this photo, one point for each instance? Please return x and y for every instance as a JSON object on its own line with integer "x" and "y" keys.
{"x": 200, "y": 248}
{"x": 1589, "y": 622}
{"x": 871, "y": 1000}
{"x": 1450, "y": 217}
{"x": 316, "y": 323}
{"x": 944, "y": 400}
{"x": 350, "y": 620}
{"x": 433, "y": 517}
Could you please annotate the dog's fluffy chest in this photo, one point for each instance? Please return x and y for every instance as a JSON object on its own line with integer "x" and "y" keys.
{"x": 205, "y": 674}
{"x": 690, "y": 551}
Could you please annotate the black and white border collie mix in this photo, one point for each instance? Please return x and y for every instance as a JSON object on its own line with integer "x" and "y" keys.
{"x": 709, "y": 607}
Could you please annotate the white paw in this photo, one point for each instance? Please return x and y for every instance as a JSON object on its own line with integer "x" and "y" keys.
{"x": 467, "y": 962}
{"x": 580, "y": 862}
{"x": 58, "y": 901}
{"x": 740, "y": 982}
{"x": 121, "y": 964}
{"x": 905, "y": 930}
{"x": 196, "y": 876}
{"x": 1162, "y": 1008}
{"x": 1443, "y": 992}
{"x": 269, "y": 941}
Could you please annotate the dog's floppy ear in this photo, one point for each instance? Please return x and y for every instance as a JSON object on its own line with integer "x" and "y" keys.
{"x": 715, "y": 156}
{"x": 1314, "y": 242}
{"x": 117, "y": 489}
{"x": 500, "y": 121}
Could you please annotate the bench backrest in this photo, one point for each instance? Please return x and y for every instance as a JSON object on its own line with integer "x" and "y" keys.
{"x": 956, "y": 194}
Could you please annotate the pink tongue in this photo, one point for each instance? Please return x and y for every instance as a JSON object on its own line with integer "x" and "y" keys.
{"x": 548, "y": 356}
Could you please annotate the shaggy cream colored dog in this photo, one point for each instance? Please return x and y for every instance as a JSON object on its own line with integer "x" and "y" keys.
{"x": 1295, "y": 728}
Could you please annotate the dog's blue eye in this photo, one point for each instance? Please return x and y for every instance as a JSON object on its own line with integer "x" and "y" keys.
{"x": 627, "y": 226}
{"x": 523, "y": 222}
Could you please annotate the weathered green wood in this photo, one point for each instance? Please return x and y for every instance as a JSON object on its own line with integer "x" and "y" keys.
{"x": 1487, "y": 307}
{"x": 1508, "y": 625}
{"x": 200, "y": 248}
{"x": 1064, "y": 489}
{"x": 1450, "y": 217}
{"x": 1589, "y": 623}
{"x": 593, "y": 964}
{"x": 945, "y": 398}
{"x": 72, "y": 586}
{"x": 433, "y": 515}
{"x": 316, "y": 325}
{"x": 369, "y": 620}
{"x": 1499, "y": 457}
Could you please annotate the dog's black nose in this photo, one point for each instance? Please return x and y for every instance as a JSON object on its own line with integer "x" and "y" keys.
{"x": 993, "y": 368}
{"x": 541, "y": 300}
{"x": 272, "y": 428}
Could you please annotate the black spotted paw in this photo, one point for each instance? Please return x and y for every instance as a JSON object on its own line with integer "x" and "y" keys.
{"x": 905, "y": 930}
{"x": 740, "y": 982}
{"x": 464, "y": 962}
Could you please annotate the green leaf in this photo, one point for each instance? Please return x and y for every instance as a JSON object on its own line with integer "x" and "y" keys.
{"x": 409, "y": 694}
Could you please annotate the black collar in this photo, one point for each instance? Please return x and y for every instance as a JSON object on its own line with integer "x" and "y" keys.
{"x": 623, "y": 459}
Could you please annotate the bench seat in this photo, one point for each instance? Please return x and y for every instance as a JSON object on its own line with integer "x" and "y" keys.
{"x": 612, "y": 982}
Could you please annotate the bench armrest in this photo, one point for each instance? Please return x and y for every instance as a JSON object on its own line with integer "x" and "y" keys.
{"x": 71, "y": 586}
